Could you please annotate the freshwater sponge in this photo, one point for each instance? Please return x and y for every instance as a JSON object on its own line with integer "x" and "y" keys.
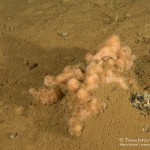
{"x": 47, "y": 96}
{"x": 107, "y": 66}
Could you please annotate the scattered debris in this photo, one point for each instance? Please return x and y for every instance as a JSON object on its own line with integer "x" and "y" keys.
{"x": 141, "y": 102}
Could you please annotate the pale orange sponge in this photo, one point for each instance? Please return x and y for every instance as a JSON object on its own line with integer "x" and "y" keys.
{"x": 75, "y": 126}
{"x": 83, "y": 95}
{"x": 47, "y": 96}
{"x": 92, "y": 81}
{"x": 76, "y": 83}
{"x": 73, "y": 84}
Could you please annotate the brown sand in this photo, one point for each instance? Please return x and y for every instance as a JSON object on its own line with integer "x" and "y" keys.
{"x": 32, "y": 46}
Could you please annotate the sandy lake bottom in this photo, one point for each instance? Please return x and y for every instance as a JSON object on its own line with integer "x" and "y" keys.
{"x": 40, "y": 37}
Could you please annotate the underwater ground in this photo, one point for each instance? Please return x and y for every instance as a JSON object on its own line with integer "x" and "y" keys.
{"x": 40, "y": 37}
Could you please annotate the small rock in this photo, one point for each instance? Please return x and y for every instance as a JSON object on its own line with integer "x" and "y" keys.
{"x": 30, "y": 65}
{"x": 13, "y": 135}
{"x": 63, "y": 34}
{"x": 145, "y": 129}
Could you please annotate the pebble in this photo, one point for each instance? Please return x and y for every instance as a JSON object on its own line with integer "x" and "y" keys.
{"x": 13, "y": 135}
{"x": 145, "y": 129}
{"x": 63, "y": 34}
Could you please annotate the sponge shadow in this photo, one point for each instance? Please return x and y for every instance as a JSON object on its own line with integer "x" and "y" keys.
{"x": 27, "y": 64}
